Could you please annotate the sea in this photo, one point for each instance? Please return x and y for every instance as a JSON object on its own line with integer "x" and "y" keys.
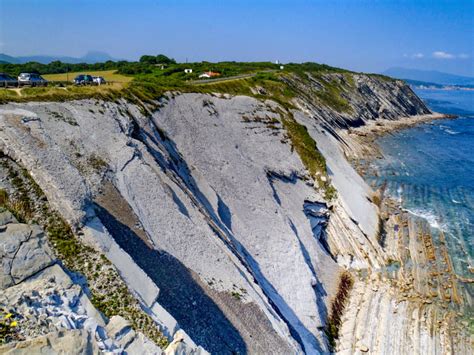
{"x": 429, "y": 169}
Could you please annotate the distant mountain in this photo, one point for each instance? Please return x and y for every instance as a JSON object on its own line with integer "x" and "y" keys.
{"x": 427, "y": 85}
{"x": 431, "y": 76}
{"x": 4, "y": 58}
{"x": 90, "y": 57}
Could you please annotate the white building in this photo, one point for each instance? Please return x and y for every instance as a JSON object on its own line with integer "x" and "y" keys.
{"x": 188, "y": 71}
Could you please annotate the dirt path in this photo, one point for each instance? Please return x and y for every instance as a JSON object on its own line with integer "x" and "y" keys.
{"x": 17, "y": 90}
{"x": 230, "y": 78}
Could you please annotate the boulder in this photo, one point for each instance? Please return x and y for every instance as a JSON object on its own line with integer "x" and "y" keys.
{"x": 142, "y": 345}
{"x": 62, "y": 342}
{"x": 117, "y": 326}
{"x": 7, "y": 217}
{"x": 179, "y": 346}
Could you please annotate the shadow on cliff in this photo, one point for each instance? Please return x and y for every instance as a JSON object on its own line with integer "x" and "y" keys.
{"x": 180, "y": 294}
{"x": 222, "y": 220}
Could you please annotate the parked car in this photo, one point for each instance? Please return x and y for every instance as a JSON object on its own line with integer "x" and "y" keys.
{"x": 6, "y": 80}
{"x": 84, "y": 79}
{"x": 31, "y": 79}
{"x": 99, "y": 80}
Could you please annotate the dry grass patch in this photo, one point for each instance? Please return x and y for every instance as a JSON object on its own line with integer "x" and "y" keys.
{"x": 108, "y": 75}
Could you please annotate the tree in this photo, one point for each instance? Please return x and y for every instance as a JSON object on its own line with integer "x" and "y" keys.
{"x": 148, "y": 59}
{"x": 162, "y": 59}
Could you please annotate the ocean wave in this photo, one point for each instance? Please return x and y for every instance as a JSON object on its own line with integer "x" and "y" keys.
{"x": 400, "y": 194}
{"x": 447, "y": 130}
{"x": 429, "y": 216}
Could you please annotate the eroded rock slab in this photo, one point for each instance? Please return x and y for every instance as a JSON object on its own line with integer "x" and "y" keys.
{"x": 76, "y": 341}
{"x": 23, "y": 253}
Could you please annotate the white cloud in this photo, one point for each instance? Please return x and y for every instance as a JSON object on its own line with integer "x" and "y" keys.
{"x": 414, "y": 56}
{"x": 443, "y": 55}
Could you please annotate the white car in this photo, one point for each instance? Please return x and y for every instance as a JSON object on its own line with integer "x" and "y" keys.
{"x": 98, "y": 80}
{"x": 31, "y": 79}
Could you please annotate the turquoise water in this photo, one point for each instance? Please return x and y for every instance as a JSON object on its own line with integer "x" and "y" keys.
{"x": 430, "y": 170}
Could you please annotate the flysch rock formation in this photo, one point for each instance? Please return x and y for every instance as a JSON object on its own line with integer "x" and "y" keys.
{"x": 406, "y": 298}
{"x": 56, "y": 314}
{"x": 210, "y": 217}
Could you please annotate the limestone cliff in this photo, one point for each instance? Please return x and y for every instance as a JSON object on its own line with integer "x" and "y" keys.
{"x": 210, "y": 200}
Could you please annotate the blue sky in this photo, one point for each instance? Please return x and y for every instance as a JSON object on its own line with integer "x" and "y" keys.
{"x": 359, "y": 35}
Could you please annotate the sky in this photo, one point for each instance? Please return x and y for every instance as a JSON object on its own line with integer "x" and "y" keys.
{"x": 362, "y": 35}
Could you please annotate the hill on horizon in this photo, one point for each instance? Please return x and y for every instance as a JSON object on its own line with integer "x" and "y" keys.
{"x": 90, "y": 58}
{"x": 430, "y": 76}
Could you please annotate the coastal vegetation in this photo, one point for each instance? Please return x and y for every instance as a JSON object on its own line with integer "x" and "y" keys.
{"x": 311, "y": 157}
{"x": 152, "y": 76}
{"x": 338, "y": 304}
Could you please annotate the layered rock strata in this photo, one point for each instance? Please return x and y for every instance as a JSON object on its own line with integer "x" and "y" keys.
{"x": 205, "y": 198}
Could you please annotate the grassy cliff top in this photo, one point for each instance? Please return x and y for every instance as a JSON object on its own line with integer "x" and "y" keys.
{"x": 149, "y": 81}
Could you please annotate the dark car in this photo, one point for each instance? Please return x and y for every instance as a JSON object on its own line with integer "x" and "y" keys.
{"x": 32, "y": 79}
{"x": 6, "y": 80}
{"x": 84, "y": 79}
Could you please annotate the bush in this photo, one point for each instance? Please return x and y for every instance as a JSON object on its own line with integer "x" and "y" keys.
{"x": 337, "y": 308}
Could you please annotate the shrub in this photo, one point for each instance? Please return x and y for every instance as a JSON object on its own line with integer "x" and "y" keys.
{"x": 333, "y": 324}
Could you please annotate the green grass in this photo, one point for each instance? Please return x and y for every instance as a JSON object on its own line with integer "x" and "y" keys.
{"x": 331, "y": 96}
{"x": 7, "y": 95}
{"x": 311, "y": 157}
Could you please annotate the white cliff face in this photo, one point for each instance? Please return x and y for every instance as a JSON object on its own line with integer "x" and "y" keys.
{"x": 231, "y": 220}
{"x": 353, "y": 228}
{"x": 253, "y": 185}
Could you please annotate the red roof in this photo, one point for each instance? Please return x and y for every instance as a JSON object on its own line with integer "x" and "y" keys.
{"x": 212, "y": 73}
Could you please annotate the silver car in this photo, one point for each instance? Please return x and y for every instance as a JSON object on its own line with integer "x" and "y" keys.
{"x": 6, "y": 80}
{"x": 31, "y": 79}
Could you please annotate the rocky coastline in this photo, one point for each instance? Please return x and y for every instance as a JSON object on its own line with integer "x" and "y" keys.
{"x": 212, "y": 213}
{"x": 417, "y": 278}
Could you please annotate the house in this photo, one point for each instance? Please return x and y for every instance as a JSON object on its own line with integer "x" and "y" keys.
{"x": 188, "y": 71}
{"x": 161, "y": 66}
{"x": 209, "y": 74}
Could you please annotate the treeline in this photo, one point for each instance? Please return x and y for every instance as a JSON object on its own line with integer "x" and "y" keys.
{"x": 144, "y": 66}
{"x": 57, "y": 67}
